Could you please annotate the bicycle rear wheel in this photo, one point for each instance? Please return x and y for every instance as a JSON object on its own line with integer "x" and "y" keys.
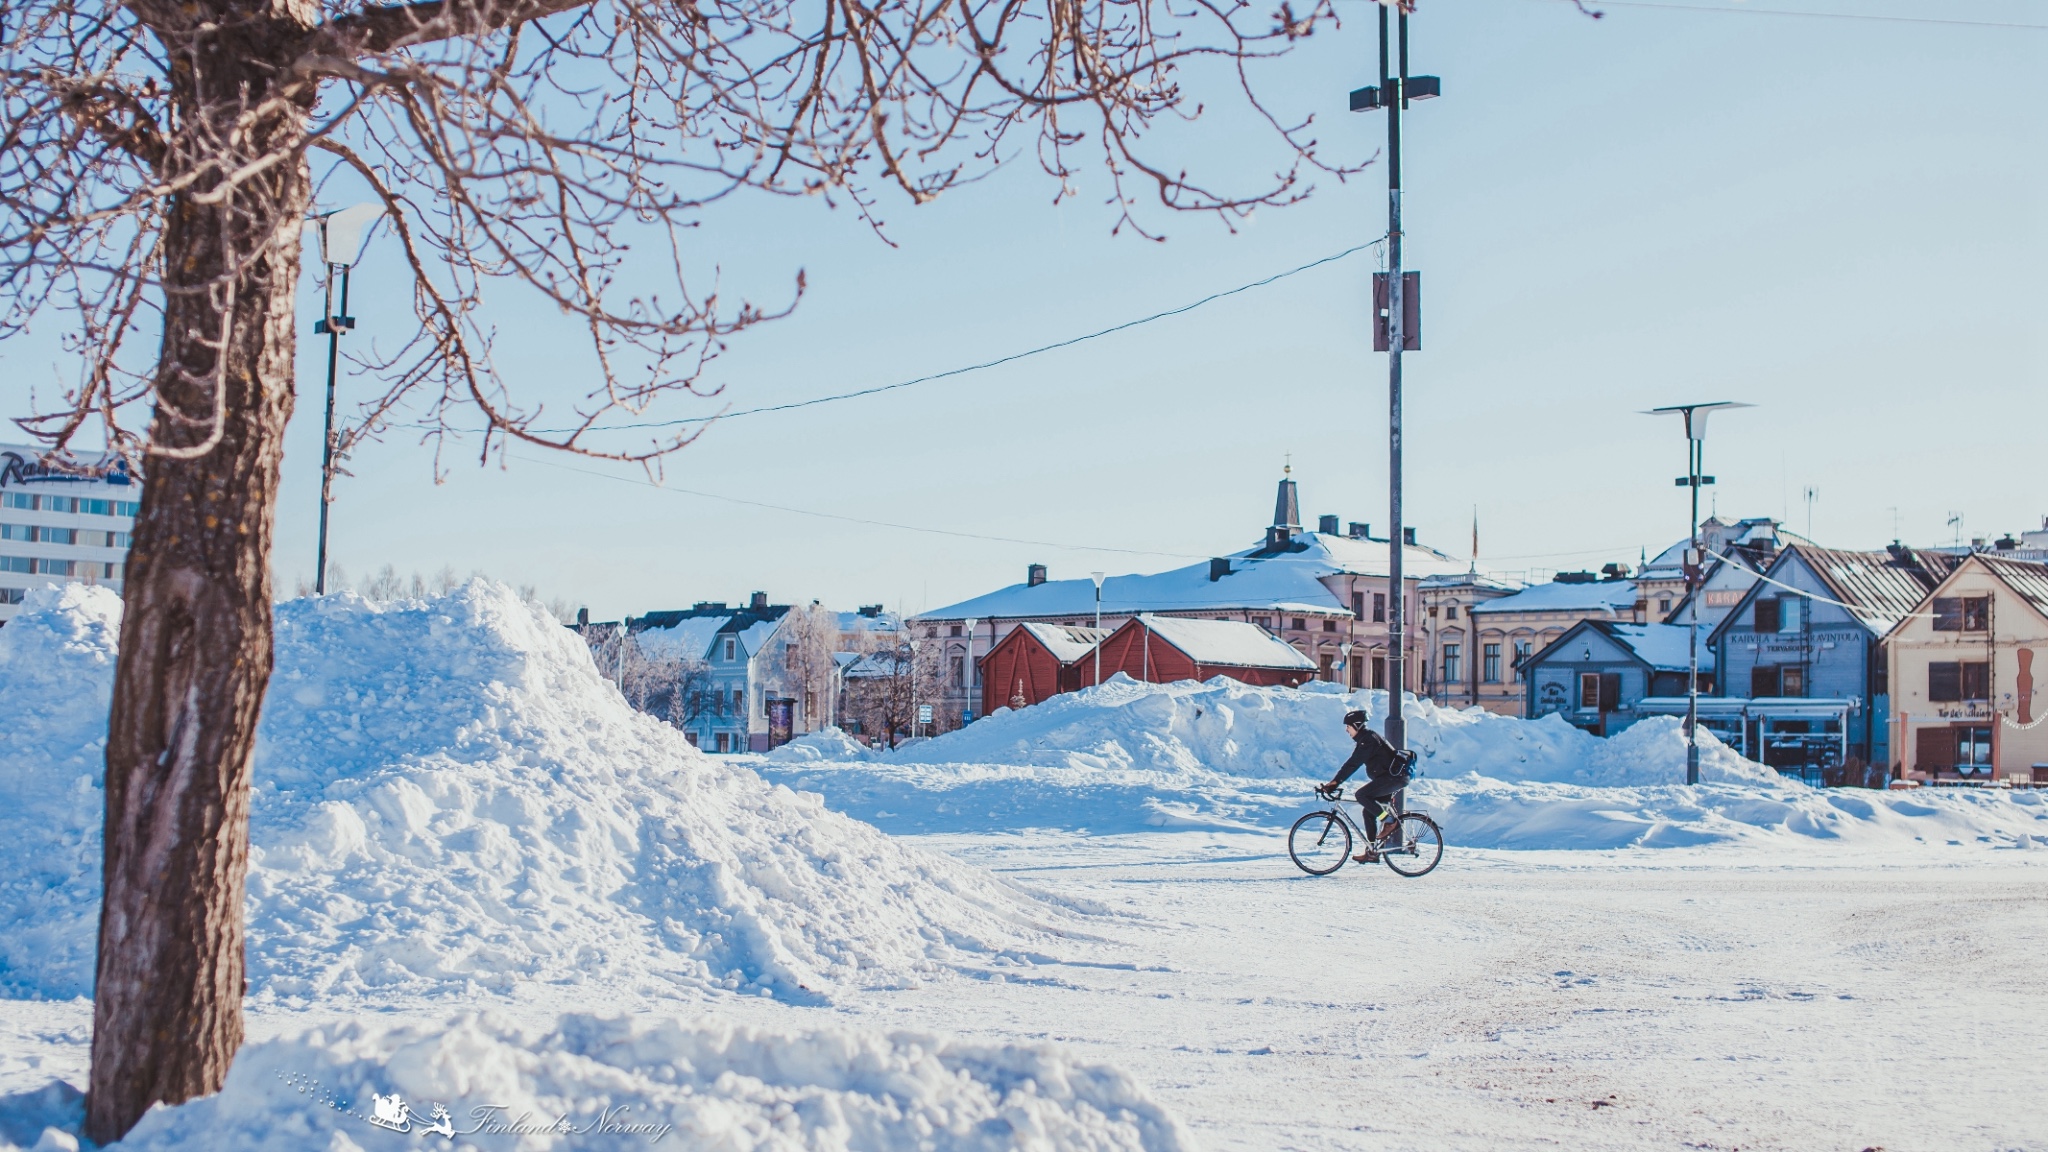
{"x": 1319, "y": 842}
{"x": 1420, "y": 847}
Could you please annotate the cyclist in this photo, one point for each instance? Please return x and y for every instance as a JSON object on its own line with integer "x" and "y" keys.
{"x": 1386, "y": 773}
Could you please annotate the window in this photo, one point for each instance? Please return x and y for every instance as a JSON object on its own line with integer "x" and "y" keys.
{"x": 53, "y": 567}
{"x": 56, "y": 503}
{"x": 57, "y": 535}
{"x": 1329, "y": 625}
{"x": 1950, "y": 682}
{"x": 1522, "y": 654}
{"x": 1358, "y": 605}
{"x": 1451, "y": 664}
{"x": 731, "y": 646}
{"x": 1766, "y": 614}
{"x": 1664, "y": 605}
{"x": 1379, "y": 609}
{"x": 1450, "y": 611}
{"x": 1432, "y": 611}
{"x": 1489, "y": 663}
{"x": 1589, "y": 690}
{"x": 12, "y": 595}
{"x": 1973, "y": 751}
{"x": 1790, "y": 609}
{"x": 1379, "y": 671}
{"x": 739, "y": 701}
{"x": 1792, "y": 681}
{"x": 116, "y": 570}
{"x": 1329, "y": 664}
{"x": 1763, "y": 680}
{"x": 953, "y": 630}
{"x": 127, "y": 508}
{"x": 957, "y": 675}
{"x": 1299, "y": 624}
{"x": 18, "y": 500}
{"x": 16, "y": 532}
{"x": 1962, "y": 613}
{"x": 725, "y": 741}
{"x": 1265, "y": 622}
{"x": 16, "y": 564}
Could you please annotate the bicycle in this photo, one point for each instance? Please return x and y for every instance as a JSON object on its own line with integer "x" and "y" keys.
{"x": 1320, "y": 842}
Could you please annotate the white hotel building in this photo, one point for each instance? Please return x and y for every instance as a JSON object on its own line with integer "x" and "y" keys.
{"x": 57, "y": 526}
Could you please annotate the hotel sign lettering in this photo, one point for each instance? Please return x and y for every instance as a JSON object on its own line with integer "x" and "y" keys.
{"x": 17, "y": 469}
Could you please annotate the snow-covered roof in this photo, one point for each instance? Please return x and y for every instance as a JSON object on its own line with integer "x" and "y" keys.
{"x": 1066, "y": 644}
{"x": 1230, "y": 643}
{"x": 861, "y": 622}
{"x": 754, "y": 635}
{"x": 1661, "y": 646}
{"x": 1288, "y": 581}
{"x": 1615, "y": 596}
{"x": 688, "y": 639}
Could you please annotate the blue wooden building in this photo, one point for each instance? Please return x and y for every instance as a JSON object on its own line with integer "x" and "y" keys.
{"x": 1811, "y": 631}
{"x": 1598, "y": 672}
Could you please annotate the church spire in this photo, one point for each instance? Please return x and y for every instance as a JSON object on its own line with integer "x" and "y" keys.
{"x": 1286, "y": 510}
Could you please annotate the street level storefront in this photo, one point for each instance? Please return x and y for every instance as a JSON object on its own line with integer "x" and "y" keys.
{"x": 1596, "y": 673}
{"x": 1966, "y": 676}
{"x": 1804, "y": 737}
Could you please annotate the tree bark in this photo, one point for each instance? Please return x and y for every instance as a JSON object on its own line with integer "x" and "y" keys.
{"x": 196, "y": 638}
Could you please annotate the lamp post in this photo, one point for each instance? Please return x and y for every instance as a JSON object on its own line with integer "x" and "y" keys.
{"x": 1695, "y": 417}
{"x": 1344, "y": 650}
{"x": 1393, "y": 93}
{"x": 967, "y": 676}
{"x": 1097, "y": 577}
{"x": 341, "y": 240}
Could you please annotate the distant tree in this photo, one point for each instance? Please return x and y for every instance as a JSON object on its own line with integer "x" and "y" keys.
{"x": 883, "y": 692}
{"x": 810, "y": 636}
{"x": 154, "y": 175}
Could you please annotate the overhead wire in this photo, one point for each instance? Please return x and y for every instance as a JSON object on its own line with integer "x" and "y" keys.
{"x": 1593, "y": 7}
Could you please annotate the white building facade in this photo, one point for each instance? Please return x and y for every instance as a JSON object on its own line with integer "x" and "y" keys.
{"x": 60, "y": 524}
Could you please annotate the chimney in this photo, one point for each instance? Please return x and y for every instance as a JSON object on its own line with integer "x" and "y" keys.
{"x": 583, "y": 617}
{"x": 759, "y": 603}
{"x": 871, "y": 610}
{"x": 1408, "y": 536}
{"x": 2006, "y": 543}
{"x": 1219, "y": 567}
{"x": 1360, "y": 531}
{"x": 1327, "y": 525}
{"x": 1034, "y": 576}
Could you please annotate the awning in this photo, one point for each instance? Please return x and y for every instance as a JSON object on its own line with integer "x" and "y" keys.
{"x": 1754, "y": 708}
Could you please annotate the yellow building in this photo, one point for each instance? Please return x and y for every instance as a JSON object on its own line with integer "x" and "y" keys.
{"x": 1967, "y": 669}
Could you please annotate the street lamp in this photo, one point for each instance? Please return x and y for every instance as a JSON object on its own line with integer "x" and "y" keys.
{"x": 1097, "y": 577}
{"x": 341, "y": 243}
{"x": 1392, "y": 333}
{"x": 1695, "y": 417}
{"x": 967, "y": 676}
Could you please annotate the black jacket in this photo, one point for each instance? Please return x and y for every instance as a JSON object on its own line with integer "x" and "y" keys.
{"x": 1375, "y": 755}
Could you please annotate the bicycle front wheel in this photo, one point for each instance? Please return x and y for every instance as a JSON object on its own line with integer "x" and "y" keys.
{"x": 1320, "y": 842}
{"x": 1420, "y": 847}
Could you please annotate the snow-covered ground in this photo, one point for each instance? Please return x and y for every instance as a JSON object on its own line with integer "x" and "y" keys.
{"x": 482, "y": 883}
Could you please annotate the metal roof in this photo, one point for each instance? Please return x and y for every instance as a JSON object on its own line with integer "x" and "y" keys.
{"x": 2028, "y": 579}
{"x": 1879, "y": 588}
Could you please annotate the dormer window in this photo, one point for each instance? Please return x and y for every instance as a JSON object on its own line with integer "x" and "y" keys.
{"x": 731, "y": 647}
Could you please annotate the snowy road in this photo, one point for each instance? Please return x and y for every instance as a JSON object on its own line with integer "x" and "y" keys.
{"x": 1528, "y": 1000}
{"x": 1712, "y": 999}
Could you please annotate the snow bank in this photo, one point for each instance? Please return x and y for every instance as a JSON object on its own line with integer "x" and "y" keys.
{"x": 57, "y": 657}
{"x": 1129, "y": 757}
{"x": 1235, "y": 729}
{"x": 595, "y": 1083}
{"x": 824, "y": 744}
{"x": 449, "y": 799}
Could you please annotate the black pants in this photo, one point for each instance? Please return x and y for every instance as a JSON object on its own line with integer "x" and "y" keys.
{"x": 1386, "y": 788}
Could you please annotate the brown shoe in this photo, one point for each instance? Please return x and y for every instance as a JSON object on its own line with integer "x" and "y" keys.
{"x": 1367, "y": 857}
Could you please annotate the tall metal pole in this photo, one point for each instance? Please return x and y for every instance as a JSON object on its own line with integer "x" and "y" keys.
{"x": 1397, "y": 617}
{"x": 1695, "y": 562}
{"x": 334, "y": 322}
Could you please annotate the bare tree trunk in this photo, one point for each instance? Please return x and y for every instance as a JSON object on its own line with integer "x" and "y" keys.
{"x": 196, "y": 638}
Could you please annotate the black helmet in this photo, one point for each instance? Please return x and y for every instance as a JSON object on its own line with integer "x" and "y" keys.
{"x": 1357, "y": 718}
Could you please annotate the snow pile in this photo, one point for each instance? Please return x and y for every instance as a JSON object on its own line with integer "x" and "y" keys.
{"x": 449, "y": 799}
{"x": 1131, "y": 757}
{"x": 1235, "y": 729}
{"x": 591, "y": 1082}
{"x": 57, "y": 658}
{"x": 824, "y": 744}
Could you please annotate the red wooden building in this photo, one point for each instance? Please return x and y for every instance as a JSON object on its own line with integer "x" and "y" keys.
{"x": 1162, "y": 649}
{"x": 1033, "y": 662}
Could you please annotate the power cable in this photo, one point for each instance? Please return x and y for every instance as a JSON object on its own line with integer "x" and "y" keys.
{"x": 962, "y": 371}
{"x": 1593, "y": 7}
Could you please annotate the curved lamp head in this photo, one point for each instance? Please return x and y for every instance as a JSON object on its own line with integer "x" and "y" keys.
{"x": 1695, "y": 415}
{"x": 341, "y": 232}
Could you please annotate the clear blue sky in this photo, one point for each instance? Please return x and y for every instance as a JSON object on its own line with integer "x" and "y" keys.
{"x": 1840, "y": 220}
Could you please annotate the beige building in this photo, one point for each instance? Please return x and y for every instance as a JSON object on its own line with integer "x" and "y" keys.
{"x": 1461, "y": 669}
{"x": 1519, "y": 625}
{"x": 1966, "y": 676}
